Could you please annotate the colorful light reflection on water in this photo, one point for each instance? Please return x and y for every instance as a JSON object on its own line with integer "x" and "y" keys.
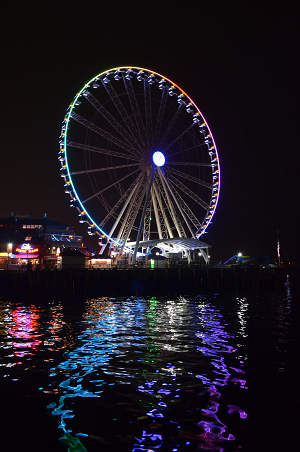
{"x": 143, "y": 375}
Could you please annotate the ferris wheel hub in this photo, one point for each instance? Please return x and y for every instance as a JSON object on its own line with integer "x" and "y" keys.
{"x": 158, "y": 158}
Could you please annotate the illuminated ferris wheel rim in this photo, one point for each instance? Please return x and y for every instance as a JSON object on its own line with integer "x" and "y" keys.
{"x": 135, "y": 71}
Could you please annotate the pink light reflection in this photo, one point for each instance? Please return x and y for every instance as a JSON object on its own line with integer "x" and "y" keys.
{"x": 25, "y": 330}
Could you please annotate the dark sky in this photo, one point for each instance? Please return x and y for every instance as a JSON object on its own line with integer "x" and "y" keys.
{"x": 237, "y": 60}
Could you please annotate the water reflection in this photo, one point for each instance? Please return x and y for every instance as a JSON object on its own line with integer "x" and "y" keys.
{"x": 215, "y": 342}
{"x": 153, "y": 367}
{"x": 59, "y": 331}
{"x": 283, "y": 312}
{"x": 19, "y": 334}
{"x": 106, "y": 334}
{"x": 29, "y": 330}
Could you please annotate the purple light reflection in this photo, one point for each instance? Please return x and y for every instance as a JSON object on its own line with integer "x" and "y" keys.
{"x": 214, "y": 340}
{"x": 233, "y": 408}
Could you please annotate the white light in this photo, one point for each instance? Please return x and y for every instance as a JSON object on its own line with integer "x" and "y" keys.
{"x": 158, "y": 158}
{"x": 240, "y": 254}
{"x": 157, "y": 254}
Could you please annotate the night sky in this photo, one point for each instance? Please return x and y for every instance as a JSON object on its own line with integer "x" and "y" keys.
{"x": 238, "y": 61}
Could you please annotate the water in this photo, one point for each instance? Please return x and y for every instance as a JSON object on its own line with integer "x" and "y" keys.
{"x": 215, "y": 373}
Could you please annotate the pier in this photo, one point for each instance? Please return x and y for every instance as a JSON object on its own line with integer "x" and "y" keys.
{"x": 142, "y": 282}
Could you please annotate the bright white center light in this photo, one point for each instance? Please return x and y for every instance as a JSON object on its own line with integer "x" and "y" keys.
{"x": 158, "y": 158}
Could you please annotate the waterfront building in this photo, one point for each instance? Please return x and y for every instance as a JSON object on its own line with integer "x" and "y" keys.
{"x": 35, "y": 242}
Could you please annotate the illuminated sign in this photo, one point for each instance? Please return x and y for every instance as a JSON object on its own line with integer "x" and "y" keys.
{"x": 26, "y": 248}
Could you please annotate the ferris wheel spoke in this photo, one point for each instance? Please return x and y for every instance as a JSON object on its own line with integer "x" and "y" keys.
{"x": 102, "y": 133}
{"x": 173, "y": 181}
{"x": 188, "y": 149}
{"x": 177, "y": 200}
{"x": 103, "y": 169}
{"x": 169, "y": 203}
{"x": 171, "y": 125}
{"x": 110, "y": 186}
{"x": 162, "y": 106}
{"x": 185, "y": 210}
{"x": 179, "y": 136}
{"x": 136, "y": 110}
{"x": 188, "y": 177}
{"x": 123, "y": 113}
{"x": 104, "y": 202}
{"x": 158, "y": 217}
{"x": 188, "y": 164}
{"x": 164, "y": 229}
{"x": 132, "y": 211}
{"x": 100, "y": 150}
{"x": 148, "y": 111}
{"x": 125, "y": 197}
{"x": 147, "y": 220}
{"x": 126, "y": 213}
{"x": 164, "y": 206}
{"x": 102, "y": 110}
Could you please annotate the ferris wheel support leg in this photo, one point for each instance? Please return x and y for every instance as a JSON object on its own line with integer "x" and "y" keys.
{"x": 172, "y": 211}
{"x": 143, "y": 217}
{"x": 102, "y": 248}
{"x": 204, "y": 255}
{"x": 187, "y": 222}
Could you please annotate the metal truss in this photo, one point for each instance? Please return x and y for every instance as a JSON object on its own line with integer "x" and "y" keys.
{"x": 179, "y": 204}
{"x": 136, "y": 110}
{"x": 160, "y": 117}
{"x": 188, "y": 163}
{"x": 109, "y": 118}
{"x": 109, "y": 186}
{"x": 147, "y": 221}
{"x": 102, "y": 133}
{"x": 188, "y": 177}
{"x": 171, "y": 125}
{"x": 163, "y": 227}
{"x": 148, "y": 111}
{"x": 185, "y": 208}
{"x": 73, "y": 144}
{"x": 179, "y": 136}
{"x": 131, "y": 194}
{"x": 104, "y": 202}
{"x": 168, "y": 201}
{"x": 103, "y": 169}
{"x": 173, "y": 181}
{"x": 132, "y": 212}
{"x": 126, "y": 196}
{"x": 123, "y": 113}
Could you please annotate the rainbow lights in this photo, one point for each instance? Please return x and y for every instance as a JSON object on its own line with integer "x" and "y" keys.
{"x": 198, "y": 118}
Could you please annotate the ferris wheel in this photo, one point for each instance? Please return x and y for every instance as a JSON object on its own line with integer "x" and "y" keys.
{"x": 139, "y": 160}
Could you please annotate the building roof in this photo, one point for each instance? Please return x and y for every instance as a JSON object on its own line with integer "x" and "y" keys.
{"x": 33, "y": 221}
{"x": 101, "y": 256}
{"x": 173, "y": 245}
